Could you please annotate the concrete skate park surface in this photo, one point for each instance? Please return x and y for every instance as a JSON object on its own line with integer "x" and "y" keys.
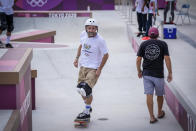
{"x": 5, "y": 115}
{"x": 118, "y": 94}
{"x": 182, "y": 51}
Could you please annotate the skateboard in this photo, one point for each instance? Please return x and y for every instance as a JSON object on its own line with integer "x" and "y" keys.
{"x": 81, "y": 123}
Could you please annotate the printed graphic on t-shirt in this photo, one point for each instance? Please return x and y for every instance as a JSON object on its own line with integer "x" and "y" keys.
{"x": 86, "y": 49}
{"x": 152, "y": 52}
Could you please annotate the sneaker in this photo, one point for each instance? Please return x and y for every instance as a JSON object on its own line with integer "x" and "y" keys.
{"x": 83, "y": 116}
{"x": 143, "y": 34}
{"x": 172, "y": 22}
{"x": 138, "y": 35}
{"x": 9, "y": 45}
{"x": 91, "y": 110}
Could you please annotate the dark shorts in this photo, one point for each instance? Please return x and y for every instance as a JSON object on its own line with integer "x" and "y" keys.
{"x": 6, "y": 22}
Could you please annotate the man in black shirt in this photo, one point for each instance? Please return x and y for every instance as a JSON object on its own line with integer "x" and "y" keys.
{"x": 154, "y": 52}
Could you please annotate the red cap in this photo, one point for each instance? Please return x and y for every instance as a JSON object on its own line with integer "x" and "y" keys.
{"x": 153, "y": 31}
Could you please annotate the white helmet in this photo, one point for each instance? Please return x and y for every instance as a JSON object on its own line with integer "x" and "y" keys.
{"x": 91, "y": 21}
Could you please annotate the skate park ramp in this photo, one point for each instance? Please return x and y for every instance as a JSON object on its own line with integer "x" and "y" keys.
{"x": 118, "y": 94}
{"x": 37, "y": 45}
{"x": 64, "y": 27}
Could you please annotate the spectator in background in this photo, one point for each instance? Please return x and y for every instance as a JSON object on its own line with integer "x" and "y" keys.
{"x": 141, "y": 16}
{"x": 152, "y": 11}
{"x": 170, "y": 5}
{"x": 6, "y": 18}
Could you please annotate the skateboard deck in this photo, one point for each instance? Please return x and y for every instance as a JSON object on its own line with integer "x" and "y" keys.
{"x": 81, "y": 123}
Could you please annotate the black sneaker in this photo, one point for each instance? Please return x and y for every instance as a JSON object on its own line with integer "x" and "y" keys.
{"x": 140, "y": 33}
{"x": 9, "y": 45}
{"x": 83, "y": 116}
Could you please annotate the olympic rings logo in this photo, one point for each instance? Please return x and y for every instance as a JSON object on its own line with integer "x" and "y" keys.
{"x": 36, "y": 3}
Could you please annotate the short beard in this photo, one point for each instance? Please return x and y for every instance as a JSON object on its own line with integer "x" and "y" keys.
{"x": 92, "y": 34}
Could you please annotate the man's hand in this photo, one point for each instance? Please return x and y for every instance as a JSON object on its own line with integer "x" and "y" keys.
{"x": 98, "y": 72}
{"x": 139, "y": 74}
{"x": 169, "y": 68}
{"x": 169, "y": 77}
{"x": 138, "y": 64}
{"x": 76, "y": 63}
{"x": 104, "y": 60}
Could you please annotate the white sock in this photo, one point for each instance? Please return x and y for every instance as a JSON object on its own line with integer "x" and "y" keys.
{"x": 87, "y": 109}
{"x": 8, "y": 39}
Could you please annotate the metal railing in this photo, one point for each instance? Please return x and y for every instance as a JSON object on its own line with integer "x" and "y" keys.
{"x": 126, "y": 9}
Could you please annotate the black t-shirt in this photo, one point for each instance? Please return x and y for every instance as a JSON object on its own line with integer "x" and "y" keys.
{"x": 153, "y": 52}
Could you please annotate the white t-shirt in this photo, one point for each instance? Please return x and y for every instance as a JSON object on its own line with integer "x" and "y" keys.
{"x": 6, "y": 6}
{"x": 150, "y": 10}
{"x": 92, "y": 51}
{"x": 139, "y": 4}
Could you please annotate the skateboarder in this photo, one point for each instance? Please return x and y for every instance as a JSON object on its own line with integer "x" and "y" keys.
{"x": 91, "y": 57}
{"x": 6, "y": 18}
